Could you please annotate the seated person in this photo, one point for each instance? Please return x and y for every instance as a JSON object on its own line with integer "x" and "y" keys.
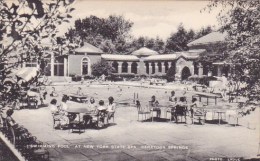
{"x": 53, "y": 93}
{"x": 92, "y": 106}
{"x": 100, "y": 112}
{"x": 173, "y": 98}
{"x": 196, "y": 107}
{"x": 53, "y": 107}
{"x": 55, "y": 111}
{"x": 154, "y": 104}
{"x": 110, "y": 107}
{"x": 101, "y": 107}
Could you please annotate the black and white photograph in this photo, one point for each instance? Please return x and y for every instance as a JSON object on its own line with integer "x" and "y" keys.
{"x": 129, "y": 80}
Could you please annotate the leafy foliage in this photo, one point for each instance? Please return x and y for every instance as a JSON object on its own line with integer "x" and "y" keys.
{"x": 240, "y": 19}
{"x": 156, "y": 44}
{"x": 178, "y": 41}
{"x": 170, "y": 75}
{"x": 109, "y": 34}
{"x": 102, "y": 67}
{"x": 24, "y": 26}
{"x": 25, "y": 23}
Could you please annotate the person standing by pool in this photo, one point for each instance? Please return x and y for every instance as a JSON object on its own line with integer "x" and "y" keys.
{"x": 110, "y": 108}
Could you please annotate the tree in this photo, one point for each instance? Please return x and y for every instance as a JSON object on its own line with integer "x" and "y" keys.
{"x": 178, "y": 41}
{"x": 25, "y": 23}
{"x": 102, "y": 67}
{"x": 170, "y": 75}
{"x": 156, "y": 44}
{"x": 240, "y": 19}
{"x": 112, "y": 31}
{"x": 202, "y": 32}
{"x": 24, "y": 26}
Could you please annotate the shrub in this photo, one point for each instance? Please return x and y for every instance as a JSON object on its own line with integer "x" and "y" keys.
{"x": 170, "y": 75}
{"x": 102, "y": 67}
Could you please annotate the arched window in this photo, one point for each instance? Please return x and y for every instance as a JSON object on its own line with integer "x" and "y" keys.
{"x": 147, "y": 67}
{"x": 153, "y": 67}
{"x": 124, "y": 67}
{"x": 115, "y": 66}
{"x": 185, "y": 73}
{"x": 166, "y": 66}
{"x": 85, "y": 66}
{"x": 159, "y": 67}
{"x": 134, "y": 67}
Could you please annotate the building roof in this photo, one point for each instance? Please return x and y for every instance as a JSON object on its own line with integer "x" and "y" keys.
{"x": 191, "y": 54}
{"x": 88, "y": 48}
{"x": 144, "y": 52}
{"x": 212, "y": 37}
{"x": 120, "y": 57}
{"x": 161, "y": 57}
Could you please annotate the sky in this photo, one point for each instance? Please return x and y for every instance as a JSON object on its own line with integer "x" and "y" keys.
{"x": 150, "y": 18}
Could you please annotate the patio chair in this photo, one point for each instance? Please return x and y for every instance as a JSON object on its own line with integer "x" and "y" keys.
{"x": 198, "y": 115}
{"x": 110, "y": 115}
{"x": 32, "y": 102}
{"x": 98, "y": 120}
{"x": 154, "y": 107}
{"x": 170, "y": 110}
{"x": 56, "y": 118}
{"x": 143, "y": 111}
{"x": 180, "y": 111}
{"x": 23, "y": 99}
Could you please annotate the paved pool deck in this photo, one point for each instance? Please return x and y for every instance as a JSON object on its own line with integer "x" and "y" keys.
{"x": 128, "y": 139}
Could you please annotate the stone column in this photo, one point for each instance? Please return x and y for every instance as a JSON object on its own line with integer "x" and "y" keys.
{"x": 129, "y": 69}
{"x": 150, "y": 68}
{"x": 163, "y": 68}
{"x": 219, "y": 71}
{"x": 156, "y": 67}
{"x": 200, "y": 72}
{"x": 52, "y": 64}
{"x": 37, "y": 65}
{"x": 120, "y": 67}
{"x": 137, "y": 68}
{"x": 192, "y": 70}
{"x": 169, "y": 65}
{"x": 65, "y": 64}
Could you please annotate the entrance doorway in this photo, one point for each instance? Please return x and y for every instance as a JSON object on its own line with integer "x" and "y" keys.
{"x": 185, "y": 73}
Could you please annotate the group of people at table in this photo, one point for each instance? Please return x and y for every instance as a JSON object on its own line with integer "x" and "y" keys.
{"x": 178, "y": 106}
{"x": 95, "y": 111}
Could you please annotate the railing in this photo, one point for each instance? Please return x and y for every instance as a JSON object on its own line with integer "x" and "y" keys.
{"x": 7, "y": 148}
